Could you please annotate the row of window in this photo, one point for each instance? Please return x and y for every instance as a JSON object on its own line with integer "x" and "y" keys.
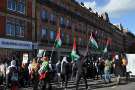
{"x": 45, "y": 33}
{"x": 15, "y": 28}
{"x": 45, "y": 16}
{"x": 17, "y": 5}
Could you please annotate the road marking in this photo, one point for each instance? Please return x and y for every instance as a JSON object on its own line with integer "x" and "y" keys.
{"x": 114, "y": 87}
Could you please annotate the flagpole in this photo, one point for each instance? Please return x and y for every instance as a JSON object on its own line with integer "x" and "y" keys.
{"x": 88, "y": 45}
{"x": 52, "y": 53}
{"x": 52, "y": 50}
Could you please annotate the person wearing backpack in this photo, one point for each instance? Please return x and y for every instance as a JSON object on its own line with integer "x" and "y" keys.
{"x": 13, "y": 75}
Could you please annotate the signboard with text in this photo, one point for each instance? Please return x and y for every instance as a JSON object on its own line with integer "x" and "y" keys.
{"x": 16, "y": 44}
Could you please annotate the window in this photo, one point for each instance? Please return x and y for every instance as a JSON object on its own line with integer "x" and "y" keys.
{"x": 17, "y": 5}
{"x": 44, "y": 33}
{"x": 15, "y": 28}
{"x": 67, "y": 23}
{"x": 53, "y": 18}
{"x": 19, "y": 30}
{"x": 11, "y": 4}
{"x": 22, "y": 30}
{"x": 21, "y": 6}
{"x": 44, "y": 15}
{"x": 10, "y": 29}
{"x": 62, "y": 36}
{"x": 67, "y": 40}
{"x": 62, "y": 20}
{"x": 52, "y": 35}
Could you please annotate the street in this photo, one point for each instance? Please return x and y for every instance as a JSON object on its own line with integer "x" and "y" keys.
{"x": 130, "y": 86}
{"x": 96, "y": 85}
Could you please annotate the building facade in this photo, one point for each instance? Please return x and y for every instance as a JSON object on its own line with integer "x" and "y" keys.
{"x": 16, "y": 27}
{"x": 74, "y": 20}
{"x": 29, "y": 25}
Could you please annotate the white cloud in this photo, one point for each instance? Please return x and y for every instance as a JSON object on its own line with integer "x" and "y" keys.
{"x": 90, "y": 5}
{"x": 115, "y": 8}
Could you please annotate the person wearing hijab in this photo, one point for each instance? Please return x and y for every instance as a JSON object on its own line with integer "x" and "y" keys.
{"x": 65, "y": 71}
{"x": 13, "y": 75}
{"x": 118, "y": 67}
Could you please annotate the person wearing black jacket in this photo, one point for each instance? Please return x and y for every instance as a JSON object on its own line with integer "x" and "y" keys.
{"x": 81, "y": 72}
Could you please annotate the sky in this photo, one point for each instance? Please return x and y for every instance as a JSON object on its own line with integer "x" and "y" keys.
{"x": 119, "y": 11}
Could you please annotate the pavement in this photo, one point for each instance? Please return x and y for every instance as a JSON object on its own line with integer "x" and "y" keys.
{"x": 96, "y": 85}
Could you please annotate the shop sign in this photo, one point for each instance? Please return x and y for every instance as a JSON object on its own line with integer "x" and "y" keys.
{"x": 25, "y": 58}
{"x": 15, "y": 44}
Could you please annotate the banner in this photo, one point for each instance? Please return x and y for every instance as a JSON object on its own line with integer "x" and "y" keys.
{"x": 131, "y": 63}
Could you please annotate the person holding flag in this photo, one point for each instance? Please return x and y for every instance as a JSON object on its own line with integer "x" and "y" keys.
{"x": 44, "y": 73}
{"x": 81, "y": 71}
{"x": 57, "y": 43}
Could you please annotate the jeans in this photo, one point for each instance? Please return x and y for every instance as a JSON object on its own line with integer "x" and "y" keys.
{"x": 107, "y": 75}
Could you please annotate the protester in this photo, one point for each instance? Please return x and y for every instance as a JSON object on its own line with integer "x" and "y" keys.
{"x": 118, "y": 68}
{"x": 65, "y": 71}
{"x": 2, "y": 71}
{"x": 97, "y": 68}
{"x": 107, "y": 70}
{"x": 13, "y": 75}
{"x": 81, "y": 72}
{"x": 44, "y": 73}
{"x": 34, "y": 74}
{"x": 124, "y": 64}
{"x": 74, "y": 70}
{"x": 58, "y": 68}
{"x": 101, "y": 67}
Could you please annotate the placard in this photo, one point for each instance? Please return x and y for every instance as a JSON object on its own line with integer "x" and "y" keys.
{"x": 25, "y": 58}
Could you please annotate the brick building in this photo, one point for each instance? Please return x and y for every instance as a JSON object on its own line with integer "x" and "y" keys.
{"x": 28, "y": 25}
{"x": 16, "y": 27}
{"x": 74, "y": 20}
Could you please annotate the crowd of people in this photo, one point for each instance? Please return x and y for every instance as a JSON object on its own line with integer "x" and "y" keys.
{"x": 41, "y": 72}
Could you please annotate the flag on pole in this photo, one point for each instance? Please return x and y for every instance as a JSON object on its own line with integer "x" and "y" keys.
{"x": 105, "y": 49}
{"x": 58, "y": 41}
{"x": 74, "y": 55}
{"x": 93, "y": 42}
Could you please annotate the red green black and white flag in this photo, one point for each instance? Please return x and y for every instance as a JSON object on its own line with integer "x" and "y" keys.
{"x": 58, "y": 41}
{"x": 93, "y": 42}
{"x": 74, "y": 55}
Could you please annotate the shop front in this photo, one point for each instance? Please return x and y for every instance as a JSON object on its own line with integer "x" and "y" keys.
{"x": 15, "y": 48}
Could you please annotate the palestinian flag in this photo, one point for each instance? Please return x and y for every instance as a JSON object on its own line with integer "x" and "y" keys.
{"x": 58, "y": 41}
{"x": 93, "y": 42}
{"x": 107, "y": 43}
{"x": 74, "y": 55}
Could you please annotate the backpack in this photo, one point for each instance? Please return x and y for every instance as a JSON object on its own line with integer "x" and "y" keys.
{"x": 13, "y": 74}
